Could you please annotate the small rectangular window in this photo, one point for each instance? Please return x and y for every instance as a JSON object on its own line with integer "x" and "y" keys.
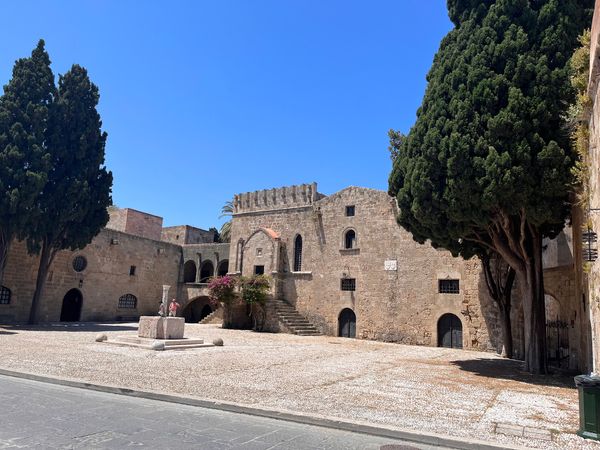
{"x": 259, "y": 270}
{"x": 4, "y": 296}
{"x": 448, "y": 286}
{"x": 350, "y": 211}
{"x": 348, "y": 284}
{"x": 131, "y": 270}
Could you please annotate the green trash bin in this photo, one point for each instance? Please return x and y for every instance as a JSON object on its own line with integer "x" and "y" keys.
{"x": 589, "y": 406}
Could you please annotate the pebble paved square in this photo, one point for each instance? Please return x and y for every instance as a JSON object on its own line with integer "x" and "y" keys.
{"x": 434, "y": 390}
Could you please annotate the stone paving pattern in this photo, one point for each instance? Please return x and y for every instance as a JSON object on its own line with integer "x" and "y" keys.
{"x": 53, "y": 417}
{"x": 436, "y": 390}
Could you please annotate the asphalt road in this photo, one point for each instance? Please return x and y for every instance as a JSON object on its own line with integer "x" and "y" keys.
{"x": 47, "y": 416}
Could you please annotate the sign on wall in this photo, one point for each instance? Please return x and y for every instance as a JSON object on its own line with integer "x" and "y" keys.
{"x": 390, "y": 264}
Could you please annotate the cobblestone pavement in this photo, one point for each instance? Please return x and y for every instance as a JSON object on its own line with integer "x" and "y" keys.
{"x": 445, "y": 392}
{"x": 47, "y": 416}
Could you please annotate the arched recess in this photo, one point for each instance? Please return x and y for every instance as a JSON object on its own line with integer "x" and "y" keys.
{"x": 189, "y": 272}
{"x": 450, "y": 331}
{"x": 557, "y": 333}
{"x": 223, "y": 268}
{"x": 350, "y": 239}
{"x": 207, "y": 270}
{"x": 298, "y": 254}
{"x": 347, "y": 323}
{"x": 261, "y": 249}
{"x": 71, "y": 306}
{"x": 197, "y": 309}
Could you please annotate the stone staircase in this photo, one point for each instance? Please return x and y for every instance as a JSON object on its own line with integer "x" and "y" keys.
{"x": 214, "y": 317}
{"x": 293, "y": 320}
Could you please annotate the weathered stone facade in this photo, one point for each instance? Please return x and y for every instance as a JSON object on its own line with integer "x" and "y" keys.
{"x": 400, "y": 304}
{"x": 135, "y": 222}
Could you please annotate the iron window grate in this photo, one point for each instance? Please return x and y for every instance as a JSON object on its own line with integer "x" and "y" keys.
{"x": 79, "y": 264}
{"x": 4, "y": 295}
{"x": 448, "y": 286}
{"x": 348, "y": 284}
{"x": 128, "y": 301}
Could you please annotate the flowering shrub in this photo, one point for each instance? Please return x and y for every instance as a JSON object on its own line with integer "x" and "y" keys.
{"x": 255, "y": 289}
{"x": 222, "y": 289}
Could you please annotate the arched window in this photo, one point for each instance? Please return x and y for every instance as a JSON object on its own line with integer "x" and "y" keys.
{"x": 127, "y": 301}
{"x": 189, "y": 272}
{"x": 223, "y": 268}
{"x": 350, "y": 239}
{"x": 298, "y": 254}
{"x": 206, "y": 271}
{"x": 4, "y": 295}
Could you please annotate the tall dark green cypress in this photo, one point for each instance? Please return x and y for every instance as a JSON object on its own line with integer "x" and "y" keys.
{"x": 488, "y": 160}
{"x": 24, "y": 160}
{"x": 74, "y": 201}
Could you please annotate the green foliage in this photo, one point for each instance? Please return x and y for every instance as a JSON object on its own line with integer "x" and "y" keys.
{"x": 24, "y": 158}
{"x": 255, "y": 289}
{"x": 577, "y": 117}
{"x": 490, "y": 135}
{"x": 74, "y": 201}
{"x": 225, "y": 231}
{"x": 396, "y": 139}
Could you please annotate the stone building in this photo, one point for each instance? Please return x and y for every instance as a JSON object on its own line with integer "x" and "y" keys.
{"x": 340, "y": 265}
{"x": 119, "y": 275}
{"x": 343, "y": 263}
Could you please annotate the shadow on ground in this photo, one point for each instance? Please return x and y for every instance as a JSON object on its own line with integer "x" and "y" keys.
{"x": 71, "y": 327}
{"x": 510, "y": 369}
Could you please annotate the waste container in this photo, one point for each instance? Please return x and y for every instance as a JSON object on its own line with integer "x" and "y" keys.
{"x": 589, "y": 406}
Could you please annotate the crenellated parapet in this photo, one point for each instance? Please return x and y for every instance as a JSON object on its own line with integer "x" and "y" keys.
{"x": 278, "y": 198}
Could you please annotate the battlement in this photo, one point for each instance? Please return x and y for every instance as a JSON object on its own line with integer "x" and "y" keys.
{"x": 277, "y": 198}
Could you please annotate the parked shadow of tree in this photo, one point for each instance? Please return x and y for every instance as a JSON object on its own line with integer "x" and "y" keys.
{"x": 88, "y": 327}
{"x": 510, "y": 369}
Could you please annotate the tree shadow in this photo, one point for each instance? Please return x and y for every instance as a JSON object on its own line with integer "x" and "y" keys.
{"x": 7, "y": 332}
{"x": 510, "y": 369}
{"x": 73, "y": 327}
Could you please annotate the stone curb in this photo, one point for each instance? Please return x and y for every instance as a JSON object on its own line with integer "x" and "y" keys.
{"x": 392, "y": 433}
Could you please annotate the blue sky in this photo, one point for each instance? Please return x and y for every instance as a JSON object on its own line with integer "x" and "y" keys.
{"x": 202, "y": 100}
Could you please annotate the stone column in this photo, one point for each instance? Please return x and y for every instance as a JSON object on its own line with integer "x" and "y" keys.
{"x": 165, "y": 299}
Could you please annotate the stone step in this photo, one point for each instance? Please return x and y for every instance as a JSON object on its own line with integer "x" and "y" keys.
{"x": 293, "y": 320}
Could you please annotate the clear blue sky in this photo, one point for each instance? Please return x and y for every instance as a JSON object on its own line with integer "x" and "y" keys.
{"x": 202, "y": 100}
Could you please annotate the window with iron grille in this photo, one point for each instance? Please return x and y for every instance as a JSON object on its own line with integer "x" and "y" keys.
{"x": 4, "y": 295}
{"x": 350, "y": 211}
{"x": 348, "y": 284}
{"x": 298, "y": 254}
{"x": 448, "y": 287}
{"x": 79, "y": 263}
{"x": 128, "y": 301}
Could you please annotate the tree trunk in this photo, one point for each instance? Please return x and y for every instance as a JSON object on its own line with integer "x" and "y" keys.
{"x": 507, "y": 337}
{"x": 4, "y": 247}
{"x": 534, "y": 313}
{"x": 45, "y": 261}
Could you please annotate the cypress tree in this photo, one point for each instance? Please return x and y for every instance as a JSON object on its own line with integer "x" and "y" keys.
{"x": 488, "y": 160}
{"x": 74, "y": 201}
{"x": 24, "y": 161}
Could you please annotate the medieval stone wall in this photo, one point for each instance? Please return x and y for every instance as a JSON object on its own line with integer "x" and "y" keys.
{"x": 117, "y": 264}
{"x": 135, "y": 222}
{"x": 185, "y": 234}
{"x": 401, "y": 305}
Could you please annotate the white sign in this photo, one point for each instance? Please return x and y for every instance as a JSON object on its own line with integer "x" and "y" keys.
{"x": 391, "y": 264}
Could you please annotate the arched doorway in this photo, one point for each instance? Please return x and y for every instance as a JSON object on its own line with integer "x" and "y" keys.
{"x": 71, "y": 306}
{"x": 450, "y": 331}
{"x": 223, "y": 268}
{"x": 197, "y": 309}
{"x": 557, "y": 334}
{"x": 189, "y": 272}
{"x": 207, "y": 270}
{"x": 347, "y": 323}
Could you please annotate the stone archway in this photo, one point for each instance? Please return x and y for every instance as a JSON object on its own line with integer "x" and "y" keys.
{"x": 450, "y": 332}
{"x": 189, "y": 272}
{"x": 71, "y": 306}
{"x": 347, "y": 323}
{"x": 197, "y": 309}
{"x": 207, "y": 270}
{"x": 223, "y": 268}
